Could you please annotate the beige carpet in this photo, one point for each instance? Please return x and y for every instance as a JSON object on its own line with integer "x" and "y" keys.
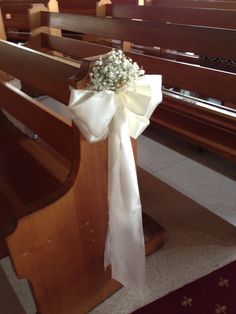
{"x": 197, "y": 242}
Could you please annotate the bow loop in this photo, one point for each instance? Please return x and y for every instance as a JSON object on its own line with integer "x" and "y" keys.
{"x": 140, "y": 101}
{"x": 92, "y": 112}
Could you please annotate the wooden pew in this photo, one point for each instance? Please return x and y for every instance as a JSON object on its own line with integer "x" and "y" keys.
{"x": 231, "y": 5}
{"x": 90, "y": 7}
{"x": 188, "y": 16}
{"x": 53, "y": 191}
{"x": 161, "y": 35}
{"x": 78, "y": 7}
{"x": 50, "y": 199}
{"x": 125, "y": 1}
{"x": 211, "y": 17}
{"x": 19, "y": 16}
{"x": 221, "y": 18}
{"x": 197, "y": 122}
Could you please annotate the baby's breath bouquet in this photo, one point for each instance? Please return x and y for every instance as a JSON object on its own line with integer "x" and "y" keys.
{"x": 112, "y": 71}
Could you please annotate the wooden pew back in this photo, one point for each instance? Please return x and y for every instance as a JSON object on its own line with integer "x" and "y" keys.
{"x": 19, "y": 17}
{"x": 221, "y": 18}
{"x": 231, "y": 5}
{"x": 213, "y": 18}
{"x": 78, "y": 7}
{"x": 190, "y": 38}
{"x": 53, "y": 190}
{"x": 31, "y": 170}
{"x": 63, "y": 227}
{"x": 89, "y": 7}
{"x": 201, "y": 40}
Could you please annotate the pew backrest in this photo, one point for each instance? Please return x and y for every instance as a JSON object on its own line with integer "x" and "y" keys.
{"x": 78, "y": 7}
{"x": 202, "y": 40}
{"x": 221, "y": 18}
{"x": 88, "y": 7}
{"x": 181, "y": 75}
{"x": 27, "y": 178}
{"x": 231, "y": 5}
{"x": 48, "y": 75}
{"x": 19, "y": 17}
{"x": 209, "y": 17}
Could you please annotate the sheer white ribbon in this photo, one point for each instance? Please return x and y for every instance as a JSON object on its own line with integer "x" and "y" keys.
{"x": 120, "y": 115}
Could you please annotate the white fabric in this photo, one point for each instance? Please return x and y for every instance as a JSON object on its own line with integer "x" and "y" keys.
{"x": 120, "y": 115}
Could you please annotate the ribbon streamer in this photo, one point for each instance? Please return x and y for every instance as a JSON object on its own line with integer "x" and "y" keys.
{"x": 119, "y": 115}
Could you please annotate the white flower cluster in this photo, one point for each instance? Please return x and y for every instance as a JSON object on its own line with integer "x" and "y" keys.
{"x": 113, "y": 71}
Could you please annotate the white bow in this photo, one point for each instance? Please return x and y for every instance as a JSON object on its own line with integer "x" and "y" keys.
{"x": 120, "y": 115}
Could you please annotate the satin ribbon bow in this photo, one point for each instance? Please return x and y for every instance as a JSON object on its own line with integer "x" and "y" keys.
{"x": 120, "y": 115}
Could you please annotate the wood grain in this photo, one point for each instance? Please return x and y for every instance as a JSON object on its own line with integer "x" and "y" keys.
{"x": 58, "y": 244}
{"x": 179, "y": 15}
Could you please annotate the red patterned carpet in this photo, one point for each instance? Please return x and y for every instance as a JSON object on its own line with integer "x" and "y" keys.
{"x": 211, "y": 294}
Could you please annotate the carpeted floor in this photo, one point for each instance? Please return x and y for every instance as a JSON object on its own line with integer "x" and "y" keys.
{"x": 214, "y": 293}
{"x": 182, "y": 194}
{"x": 197, "y": 242}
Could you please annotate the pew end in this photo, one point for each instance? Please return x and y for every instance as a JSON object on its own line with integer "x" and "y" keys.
{"x": 57, "y": 234}
{"x": 53, "y": 190}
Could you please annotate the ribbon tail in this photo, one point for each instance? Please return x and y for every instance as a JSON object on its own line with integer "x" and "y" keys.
{"x": 124, "y": 249}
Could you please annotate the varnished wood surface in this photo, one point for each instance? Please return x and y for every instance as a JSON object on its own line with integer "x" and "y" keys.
{"x": 7, "y": 221}
{"x": 47, "y": 69}
{"x": 193, "y": 16}
{"x": 176, "y": 15}
{"x": 16, "y": 17}
{"x": 78, "y": 7}
{"x": 2, "y": 28}
{"x": 24, "y": 178}
{"x": 230, "y": 5}
{"x": 35, "y": 115}
{"x": 217, "y": 132}
{"x": 170, "y": 69}
{"x": 66, "y": 230}
{"x": 149, "y": 33}
{"x": 71, "y": 47}
{"x": 19, "y": 16}
{"x": 153, "y": 234}
{"x": 193, "y": 77}
{"x": 59, "y": 241}
{"x": 24, "y": 173}
{"x": 69, "y": 232}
